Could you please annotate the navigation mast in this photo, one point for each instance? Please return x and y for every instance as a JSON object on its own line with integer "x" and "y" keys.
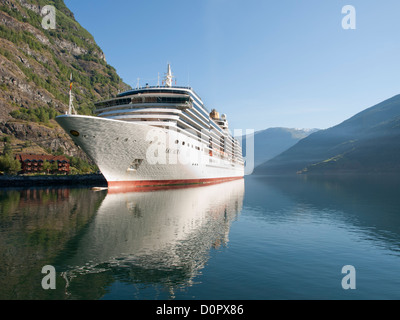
{"x": 168, "y": 77}
{"x": 71, "y": 105}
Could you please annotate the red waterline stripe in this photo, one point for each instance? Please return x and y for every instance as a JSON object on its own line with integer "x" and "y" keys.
{"x": 150, "y": 185}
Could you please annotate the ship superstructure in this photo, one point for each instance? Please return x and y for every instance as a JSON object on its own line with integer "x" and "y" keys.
{"x": 156, "y": 135}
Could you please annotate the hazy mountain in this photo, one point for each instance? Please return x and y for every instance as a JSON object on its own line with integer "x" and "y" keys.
{"x": 270, "y": 142}
{"x": 368, "y": 142}
{"x": 35, "y": 68}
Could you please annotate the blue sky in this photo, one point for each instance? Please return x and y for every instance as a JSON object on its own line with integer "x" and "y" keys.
{"x": 286, "y": 63}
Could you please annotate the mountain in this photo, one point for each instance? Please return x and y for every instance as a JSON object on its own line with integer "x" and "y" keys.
{"x": 35, "y": 69}
{"x": 270, "y": 142}
{"x": 368, "y": 142}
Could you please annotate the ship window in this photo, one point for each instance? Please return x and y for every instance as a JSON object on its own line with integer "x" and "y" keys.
{"x": 176, "y": 141}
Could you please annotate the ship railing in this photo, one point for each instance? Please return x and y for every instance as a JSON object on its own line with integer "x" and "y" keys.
{"x": 156, "y": 87}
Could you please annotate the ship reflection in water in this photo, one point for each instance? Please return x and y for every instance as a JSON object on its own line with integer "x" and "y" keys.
{"x": 156, "y": 240}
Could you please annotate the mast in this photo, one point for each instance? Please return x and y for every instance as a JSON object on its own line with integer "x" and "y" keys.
{"x": 168, "y": 77}
{"x": 71, "y": 105}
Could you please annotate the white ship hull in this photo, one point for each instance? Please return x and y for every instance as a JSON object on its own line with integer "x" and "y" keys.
{"x": 131, "y": 154}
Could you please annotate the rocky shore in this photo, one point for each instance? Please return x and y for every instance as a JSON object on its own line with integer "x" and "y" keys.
{"x": 89, "y": 180}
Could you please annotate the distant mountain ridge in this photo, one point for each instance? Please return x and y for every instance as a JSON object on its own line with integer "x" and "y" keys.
{"x": 270, "y": 142}
{"x": 368, "y": 142}
{"x": 35, "y": 68}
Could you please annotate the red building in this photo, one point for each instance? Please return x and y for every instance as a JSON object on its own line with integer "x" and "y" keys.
{"x": 33, "y": 163}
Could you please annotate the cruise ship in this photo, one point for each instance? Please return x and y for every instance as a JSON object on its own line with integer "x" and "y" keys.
{"x": 156, "y": 136}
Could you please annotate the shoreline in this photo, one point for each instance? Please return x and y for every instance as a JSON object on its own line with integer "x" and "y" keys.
{"x": 87, "y": 180}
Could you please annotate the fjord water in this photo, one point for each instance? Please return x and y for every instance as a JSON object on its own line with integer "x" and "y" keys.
{"x": 257, "y": 238}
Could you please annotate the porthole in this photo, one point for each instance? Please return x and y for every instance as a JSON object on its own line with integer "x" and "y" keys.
{"x": 74, "y": 133}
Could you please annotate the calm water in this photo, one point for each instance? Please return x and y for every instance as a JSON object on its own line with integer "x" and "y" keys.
{"x": 257, "y": 238}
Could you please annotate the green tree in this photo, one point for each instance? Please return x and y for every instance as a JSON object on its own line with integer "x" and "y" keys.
{"x": 80, "y": 166}
{"x": 41, "y": 114}
{"x": 59, "y": 152}
{"x": 7, "y": 149}
{"x": 9, "y": 164}
{"x": 46, "y": 166}
{"x": 54, "y": 167}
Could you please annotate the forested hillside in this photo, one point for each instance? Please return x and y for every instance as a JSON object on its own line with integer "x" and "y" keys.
{"x": 35, "y": 69}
